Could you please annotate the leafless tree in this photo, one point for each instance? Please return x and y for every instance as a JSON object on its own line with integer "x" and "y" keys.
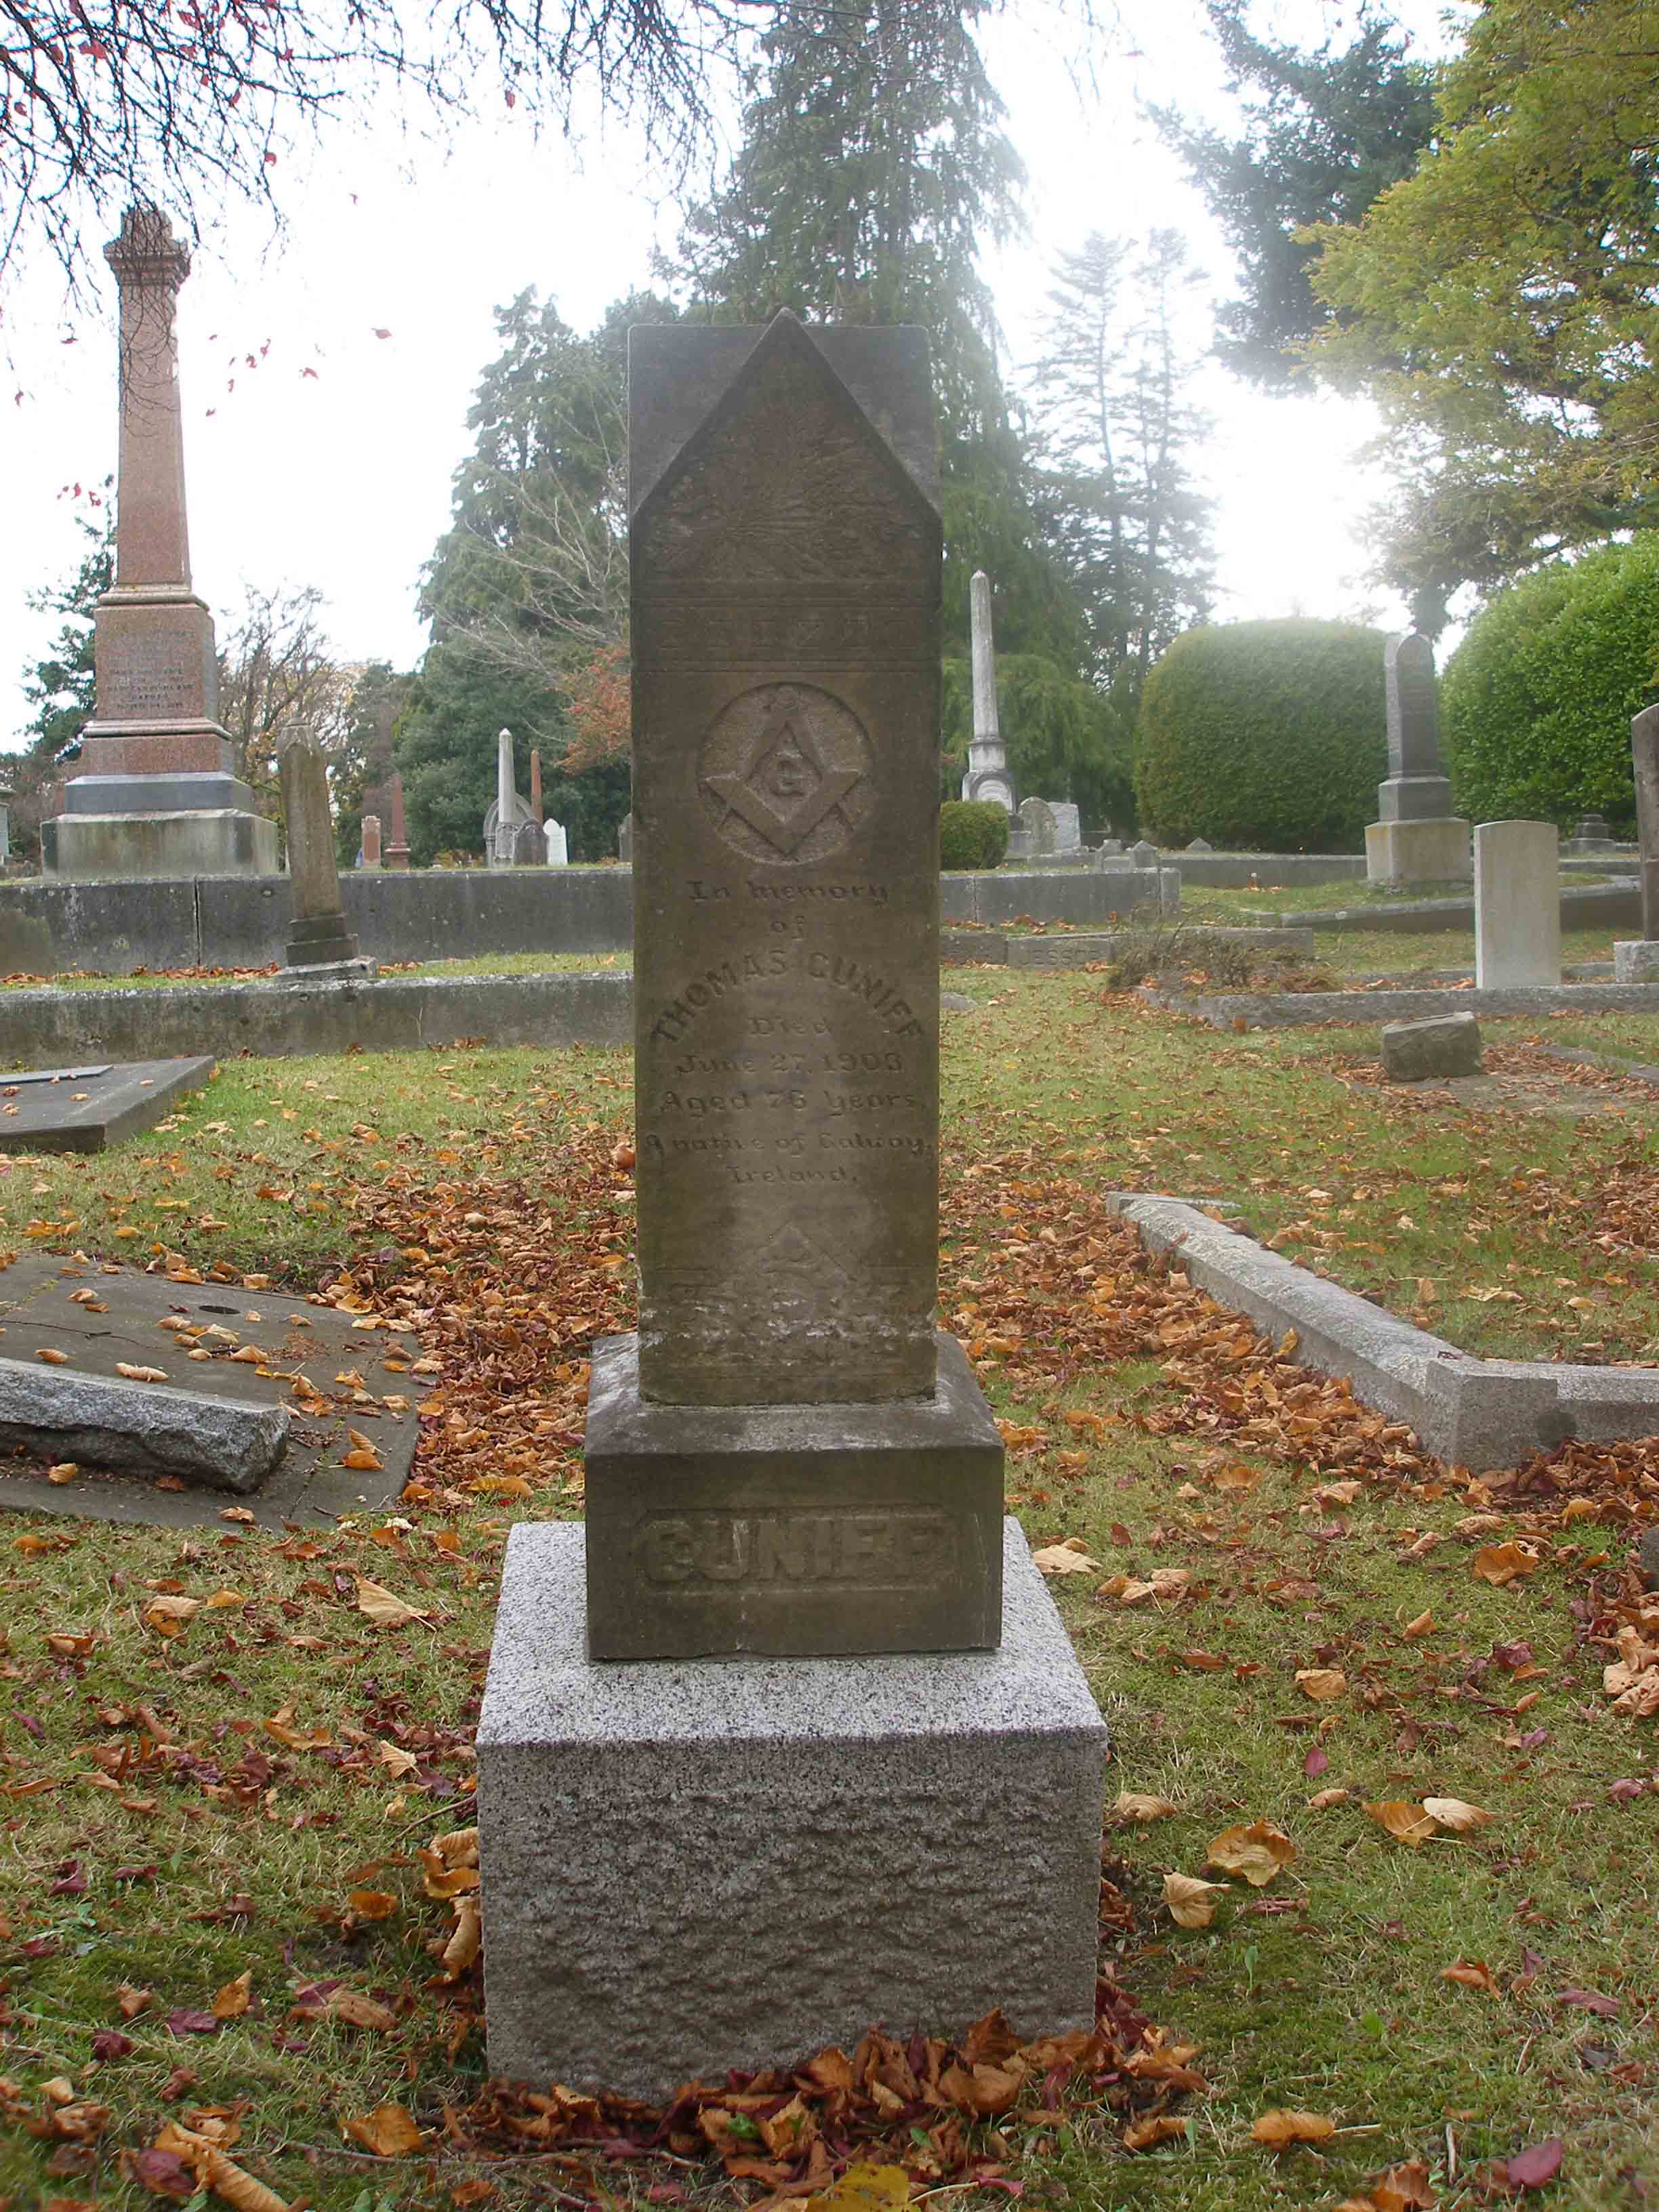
{"x": 277, "y": 673}
{"x": 182, "y": 103}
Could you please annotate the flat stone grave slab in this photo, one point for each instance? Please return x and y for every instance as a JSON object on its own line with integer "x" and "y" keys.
{"x": 87, "y": 1109}
{"x": 122, "y": 1322}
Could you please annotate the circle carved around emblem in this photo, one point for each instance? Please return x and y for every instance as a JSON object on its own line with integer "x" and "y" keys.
{"x": 784, "y": 774}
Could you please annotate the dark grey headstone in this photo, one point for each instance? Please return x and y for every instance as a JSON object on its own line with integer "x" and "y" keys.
{"x": 1413, "y": 712}
{"x": 1644, "y": 760}
{"x": 317, "y": 934}
{"x": 785, "y": 612}
{"x": 529, "y": 846}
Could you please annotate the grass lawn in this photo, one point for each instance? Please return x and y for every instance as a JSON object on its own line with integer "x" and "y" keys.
{"x": 231, "y": 1816}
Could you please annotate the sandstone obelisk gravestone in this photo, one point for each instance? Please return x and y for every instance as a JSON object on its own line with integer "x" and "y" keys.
{"x": 397, "y": 850}
{"x": 153, "y": 794}
{"x": 318, "y": 942}
{"x": 1636, "y": 960}
{"x": 987, "y": 776}
{"x": 1418, "y": 839}
{"x": 878, "y": 1752}
{"x": 369, "y": 842}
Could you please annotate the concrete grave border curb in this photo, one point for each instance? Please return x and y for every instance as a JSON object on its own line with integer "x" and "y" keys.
{"x": 1298, "y": 1010}
{"x": 394, "y": 1014}
{"x": 1478, "y": 1413}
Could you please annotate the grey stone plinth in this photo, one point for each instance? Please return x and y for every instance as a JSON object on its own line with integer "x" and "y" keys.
{"x": 149, "y": 1428}
{"x": 215, "y": 842}
{"x": 1414, "y": 798}
{"x": 791, "y": 1529}
{"x": 1418, "y": 851}
{"x": 694, "y": 1867}
{"x": 353, "y": 969}
{"x": 321, "y": 940}
{"x": 1445, "y": 1044}
{"x": 186, "y": 792}
{"x": 1636, "y": 960}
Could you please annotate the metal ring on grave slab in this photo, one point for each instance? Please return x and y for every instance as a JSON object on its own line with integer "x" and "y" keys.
{"x": 784, "y": 774}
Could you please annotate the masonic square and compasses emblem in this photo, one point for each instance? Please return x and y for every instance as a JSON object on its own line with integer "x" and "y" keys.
{"x": 784, "y": 773}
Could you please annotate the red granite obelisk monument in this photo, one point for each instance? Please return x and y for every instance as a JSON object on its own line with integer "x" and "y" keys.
{"x": 155, "y": 794}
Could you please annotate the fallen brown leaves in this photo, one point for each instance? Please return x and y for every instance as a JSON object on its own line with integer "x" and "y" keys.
{"x": 940, "y": 2113}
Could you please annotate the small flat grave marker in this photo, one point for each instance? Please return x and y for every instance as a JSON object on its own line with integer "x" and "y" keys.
{"x": 124, "y": 1325}
{"x": 40, "y": 1112}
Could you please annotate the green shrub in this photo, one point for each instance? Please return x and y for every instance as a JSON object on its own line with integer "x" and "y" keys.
{"x": 1535, "y": 703}
{"x": 973, "y": 833}
{"x": 1264, "y": 736}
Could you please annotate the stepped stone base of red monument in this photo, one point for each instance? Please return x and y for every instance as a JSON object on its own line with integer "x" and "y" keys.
{"x": 174, "y": 747}
{"x": 194, "y": 842}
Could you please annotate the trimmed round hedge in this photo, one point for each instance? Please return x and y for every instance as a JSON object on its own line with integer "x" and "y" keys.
{"x": 1265, "y": 736}
{"x": 1536, "y": 704}
{"x": 973, "y": 833}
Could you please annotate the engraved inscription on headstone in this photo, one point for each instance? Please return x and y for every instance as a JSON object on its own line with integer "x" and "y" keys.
{"x": 156, "y": 678}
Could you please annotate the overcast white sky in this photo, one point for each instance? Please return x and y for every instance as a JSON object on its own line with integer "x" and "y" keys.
{"x": 342, "y": 479}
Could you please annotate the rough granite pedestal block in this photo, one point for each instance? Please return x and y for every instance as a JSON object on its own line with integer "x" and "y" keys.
{"x": 1417, "y": 852}
{"x": 1636, "y": 960}
{"x": 728, "y": 1863}
{"x": 791, "y": 1529}
{"x": 211, "y": 841}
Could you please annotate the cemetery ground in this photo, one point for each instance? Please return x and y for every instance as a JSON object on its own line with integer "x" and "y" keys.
{"x": 238, "y": 1935}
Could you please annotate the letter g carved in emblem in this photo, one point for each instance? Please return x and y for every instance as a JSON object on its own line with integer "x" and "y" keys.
{"x": 784, "y": 773}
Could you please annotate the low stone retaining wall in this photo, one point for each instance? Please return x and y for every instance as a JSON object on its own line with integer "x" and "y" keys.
{"x": 1083, "y": 896}
{"x": 1583, "y": 906}
{"x": 1478, "y": 1413}
{"x": 1298, "y": 1010}
{"x": 1230, "y": 872}
{"x": 448, "y": 913}
{"x": 399, "y": 1013}
{"x": 1078, "y": 948}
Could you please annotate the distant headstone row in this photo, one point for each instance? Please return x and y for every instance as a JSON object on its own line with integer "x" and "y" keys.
{"x": 515, "y": 833}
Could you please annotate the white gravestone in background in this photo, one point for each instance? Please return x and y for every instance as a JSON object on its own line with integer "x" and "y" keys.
{"x": 558, "y": 847}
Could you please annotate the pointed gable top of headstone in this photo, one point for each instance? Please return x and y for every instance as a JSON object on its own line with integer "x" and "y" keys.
{"x": 714, "y": 368}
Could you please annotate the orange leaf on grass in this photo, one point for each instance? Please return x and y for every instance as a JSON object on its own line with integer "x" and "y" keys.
{"x": 389, "y": 2131}
{"x": 1192, "y": 1903}
{"x": 1134, "y": 1805}
{"x": 1156, "y": 2128}
{"x": 1259, "y": 1852}
{"x": 234, "y": 2000}
{"x": 1320, "y": 1683}
{"x": 1501, "y": 1564}
{"x": 1280, "y": 2130}
{"x": 1454, "y": 1813}
{"x": 384, "y": 1606}
{"x": 1409, "y": 1823}
{"x": 1473, "y": 1974}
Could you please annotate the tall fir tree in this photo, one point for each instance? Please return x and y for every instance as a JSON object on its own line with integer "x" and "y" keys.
{"x": 1120, "y": 435}
{"x": 1326, "y": 132}
{"x": 59, "y": 687}
{"x": 529, "y": 585}
{"x": 873, "y": 169}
